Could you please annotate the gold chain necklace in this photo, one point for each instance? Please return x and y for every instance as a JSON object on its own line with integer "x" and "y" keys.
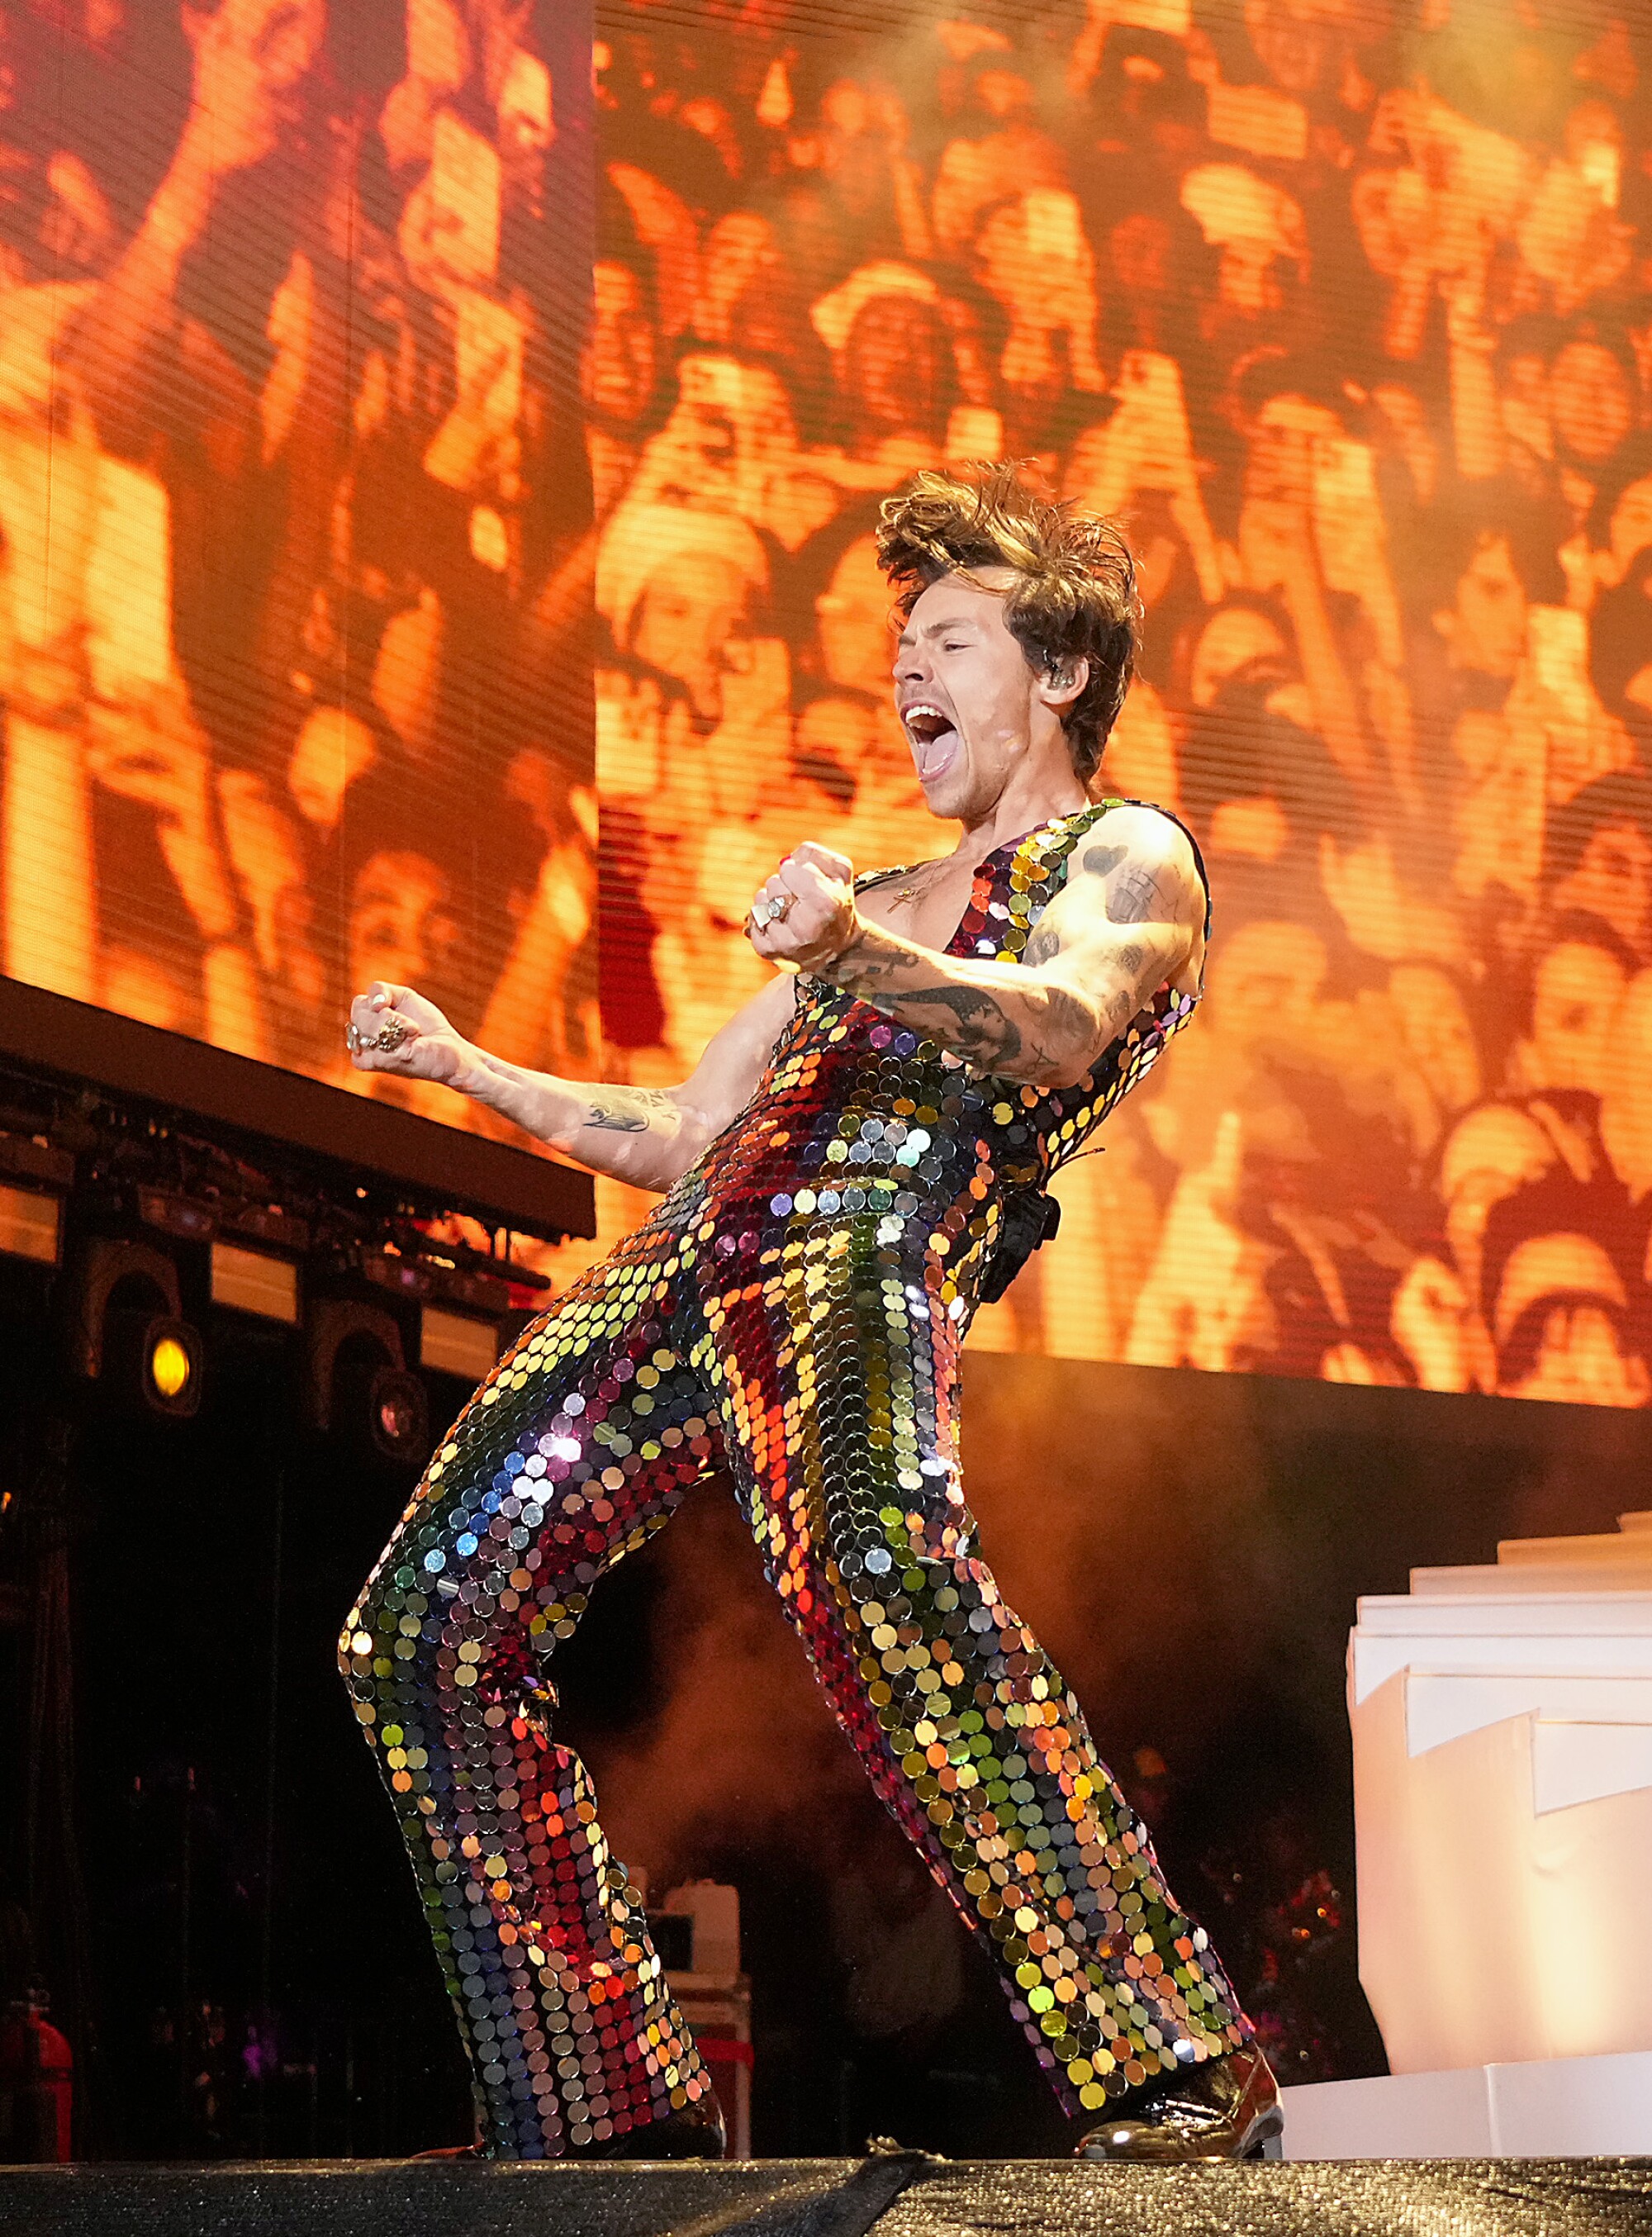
{"x": 912, "y": 893}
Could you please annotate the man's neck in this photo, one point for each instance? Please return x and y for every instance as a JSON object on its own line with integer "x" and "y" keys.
{"x": 1030, "y": 800}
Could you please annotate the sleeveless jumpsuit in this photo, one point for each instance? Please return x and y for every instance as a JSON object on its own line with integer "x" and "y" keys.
{"x": 792, "y": 1312}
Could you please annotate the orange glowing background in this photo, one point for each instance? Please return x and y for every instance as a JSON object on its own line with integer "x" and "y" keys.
{"x": 296, "y": 518}
{"x": 330, "y": 480}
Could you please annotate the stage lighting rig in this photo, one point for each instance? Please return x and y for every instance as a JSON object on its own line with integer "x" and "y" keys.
{"x": 164, "y": 1359}
{"x": 166, "y": 1258}
{"x": 36, "y": 1179}
{"x": 126, "y": 1330}
{"x": 356, "y": 1382}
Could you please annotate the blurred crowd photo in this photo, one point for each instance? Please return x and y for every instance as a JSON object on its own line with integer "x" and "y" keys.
{"x": 1347, "y": 310}
{"x": 423, "y": 561}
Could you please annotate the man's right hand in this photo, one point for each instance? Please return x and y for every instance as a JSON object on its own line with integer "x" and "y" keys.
{"x": 428, "y": 1046}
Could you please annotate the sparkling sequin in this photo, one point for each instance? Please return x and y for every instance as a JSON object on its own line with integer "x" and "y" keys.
{"x": 803, "y": 1332}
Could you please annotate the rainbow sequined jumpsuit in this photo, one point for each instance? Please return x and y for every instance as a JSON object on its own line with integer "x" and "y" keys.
{"x": 792, "y": 1312}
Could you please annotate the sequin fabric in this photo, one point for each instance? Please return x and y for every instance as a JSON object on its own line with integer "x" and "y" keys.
{"x": 792, "y": 1312}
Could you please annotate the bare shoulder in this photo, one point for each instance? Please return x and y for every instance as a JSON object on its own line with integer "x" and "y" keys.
{"x": 1144, "y": 865}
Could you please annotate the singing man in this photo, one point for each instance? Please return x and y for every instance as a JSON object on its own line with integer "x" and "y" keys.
{"x": 861, "y": 1156}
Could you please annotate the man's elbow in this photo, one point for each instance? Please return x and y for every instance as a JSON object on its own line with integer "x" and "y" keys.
{"x": 1073, "y": 1074}
{"x": 1044, "y": 1068}
{"x": 1078, "y": 1032}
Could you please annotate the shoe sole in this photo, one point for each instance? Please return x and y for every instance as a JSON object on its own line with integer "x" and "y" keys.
{"x": 1264, "y": 2140}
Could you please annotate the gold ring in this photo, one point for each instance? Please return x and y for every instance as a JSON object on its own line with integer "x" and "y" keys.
{"x": 390, "y": 1037}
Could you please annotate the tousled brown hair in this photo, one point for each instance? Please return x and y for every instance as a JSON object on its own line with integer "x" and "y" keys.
{"x": 1075, "y": 597}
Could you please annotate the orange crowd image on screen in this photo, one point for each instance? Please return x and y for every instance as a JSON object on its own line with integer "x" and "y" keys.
{"x": 411, "y": 572}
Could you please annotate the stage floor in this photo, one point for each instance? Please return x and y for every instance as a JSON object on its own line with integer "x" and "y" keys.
{"x": 834, "y": 2198}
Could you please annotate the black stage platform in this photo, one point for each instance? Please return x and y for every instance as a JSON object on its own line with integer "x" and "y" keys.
{"x": 903, "y": 2196}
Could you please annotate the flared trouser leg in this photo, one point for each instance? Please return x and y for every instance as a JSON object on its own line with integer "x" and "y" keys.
{"x": 574, "y": 1452}
{"x": 821, "y": 1367}
{"x": 835, "y": 1368}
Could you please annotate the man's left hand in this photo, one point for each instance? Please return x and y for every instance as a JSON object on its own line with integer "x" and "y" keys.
{"x": 814, "y": 887}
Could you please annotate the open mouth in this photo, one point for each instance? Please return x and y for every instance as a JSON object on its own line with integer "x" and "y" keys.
{"x": 935, "y": 741}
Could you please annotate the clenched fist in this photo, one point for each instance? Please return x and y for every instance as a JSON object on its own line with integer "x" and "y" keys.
{"x": 394, "y": 1029}
{"x": 805, "y": 915}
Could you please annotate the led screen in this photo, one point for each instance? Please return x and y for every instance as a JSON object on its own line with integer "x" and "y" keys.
{"x": 332, "y": 477}
{"x": 296, "y": 518}
{"x": 1345, "y": 309}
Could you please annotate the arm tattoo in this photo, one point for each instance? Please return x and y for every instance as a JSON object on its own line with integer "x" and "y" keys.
{"x": 1041, "y": 948}
{"x": 1102, "y": 861}
{"x": 1072, "y": 1020}
{"x": 1128, "y": 899}
{"x": 984, "y": 1035}
{"x": 1133, "y": 899}
{"x": 628, "y": 1109}
{"x": 856, "y": 968}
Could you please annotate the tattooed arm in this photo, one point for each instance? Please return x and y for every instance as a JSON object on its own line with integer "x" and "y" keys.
{"x": 1129, "y": 920}
{"x": 647, "y": 1136}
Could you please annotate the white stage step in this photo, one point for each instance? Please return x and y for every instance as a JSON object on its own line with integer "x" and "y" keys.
{"x": 1502, "y": 1722}
{"x": 1498, "y": 1578}
{"x": 1441, "y": 1707}
{"x": 1548, "y": 2109}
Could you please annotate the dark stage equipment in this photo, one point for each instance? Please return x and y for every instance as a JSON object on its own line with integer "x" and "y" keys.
{"x": 139, "y": 1231}
{"x": 211, "y": 1275}
{"x": 292, "y": 1122}
{"x": 896, "y": 2195}
{"x": 126, "y": 1327}
{"x": 356, "y": 1382}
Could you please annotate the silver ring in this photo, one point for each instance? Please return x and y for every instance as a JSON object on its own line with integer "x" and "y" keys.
{"x": 771, "y": 912}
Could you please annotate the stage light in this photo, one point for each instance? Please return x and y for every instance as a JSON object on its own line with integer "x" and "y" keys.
{"x": 170, "y": 1365}
{"x": 127, "y": 1329}
{"x": 357, "y": 1385}
{"x": 173, "y": 1363}
{"x": 398, "y": 1420}
{"x": 154, "y": 1357}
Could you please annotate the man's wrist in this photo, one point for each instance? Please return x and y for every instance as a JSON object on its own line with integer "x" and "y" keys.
{"x": 842, "y": 958}
{"x": 474, "y": 1076}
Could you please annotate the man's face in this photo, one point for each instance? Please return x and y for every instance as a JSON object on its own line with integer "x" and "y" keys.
{"x": 1293, "y": 42}
{"x": 1437, "y": 1034}
{"x": 404, "y": 927}
{"x": 1590, "y": 401}
{"x": 1486, "y": 626}
{"x": 1034, "y": 258}
{"x": 739, "y": 249}
{"x": 694, "y": 603}
{"x": 1140, "y": 248}
{"x": 970, "y": 703}
{"x": 619, "y": 364}
{"x": 1613, "y": 880}
{"x": 1575, "y": 1001}
{"x": 527, "y": 124}
{"x": 892, "y": 368}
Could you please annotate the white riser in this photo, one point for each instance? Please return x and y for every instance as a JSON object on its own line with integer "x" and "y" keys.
{"x": 1553, "y": 2108}
{"x": 1442, "y": 1709}
{"x": 1373, "y": 1661}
